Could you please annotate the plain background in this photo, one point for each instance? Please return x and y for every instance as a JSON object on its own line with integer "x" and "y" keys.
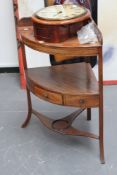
{"x": 8, "y": 47}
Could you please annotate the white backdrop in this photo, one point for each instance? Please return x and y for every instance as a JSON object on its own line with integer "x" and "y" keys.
{"x": 8, "y": 44}
{"x": 107, "y": 14}
{"x": 27, "y": 8}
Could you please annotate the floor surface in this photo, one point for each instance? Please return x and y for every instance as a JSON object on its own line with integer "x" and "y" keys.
{"x": 39, "y": 151}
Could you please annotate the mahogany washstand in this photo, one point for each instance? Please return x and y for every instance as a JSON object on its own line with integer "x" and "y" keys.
{"x": 66, "y": 85}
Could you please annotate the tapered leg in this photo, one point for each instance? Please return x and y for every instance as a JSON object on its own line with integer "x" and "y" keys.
{"x": 101, "y": 137}
{"x": 29, "y": 109}
{"x": 88, "y": 113}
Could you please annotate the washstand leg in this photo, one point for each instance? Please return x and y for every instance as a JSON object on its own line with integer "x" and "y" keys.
{"x": 101, "y": 135}
{"x": 26, "y": 122}
{"x": 88, "y": 114}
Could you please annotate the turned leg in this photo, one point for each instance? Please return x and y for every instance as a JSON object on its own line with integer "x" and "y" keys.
{"x": 88, "y": 113}
{"x": 29, "y": 109}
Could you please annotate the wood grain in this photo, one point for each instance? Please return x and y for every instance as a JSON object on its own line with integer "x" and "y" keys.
{"x": 67, "y": 85}
{"x": 71, "y": 85}
{"x": 71, "y": 47}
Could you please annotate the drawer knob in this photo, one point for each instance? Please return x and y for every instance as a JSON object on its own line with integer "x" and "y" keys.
{"x": 45, "y": 95}
{"x": 82, "y": 101}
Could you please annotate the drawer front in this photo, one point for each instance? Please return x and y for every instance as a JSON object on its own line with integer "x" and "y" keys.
{"x": 47, "y": 95}
{"x": 82, "y": 102}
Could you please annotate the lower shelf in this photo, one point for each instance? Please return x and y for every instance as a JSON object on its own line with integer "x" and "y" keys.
{"x": 69, "y": 85}
{"x": 63, "y": 125}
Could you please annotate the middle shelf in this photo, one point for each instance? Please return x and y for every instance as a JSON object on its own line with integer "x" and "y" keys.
{"x": 71, "y": 85}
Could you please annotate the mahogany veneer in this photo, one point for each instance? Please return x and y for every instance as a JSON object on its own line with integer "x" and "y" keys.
{"x": 67, "y": 85}
{"x": 62, "y": 85}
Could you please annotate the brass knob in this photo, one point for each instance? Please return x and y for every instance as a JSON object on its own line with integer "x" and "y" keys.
{"x": 45, "y": 95}
{"x": 82, "y": 101}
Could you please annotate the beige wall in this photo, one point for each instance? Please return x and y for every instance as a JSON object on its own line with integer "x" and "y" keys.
{"x": 107, "y": 15}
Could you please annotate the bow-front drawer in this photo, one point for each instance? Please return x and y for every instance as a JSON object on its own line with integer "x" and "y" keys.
{"x": 82, "y": 101}
{"x": 47, "y": 95}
